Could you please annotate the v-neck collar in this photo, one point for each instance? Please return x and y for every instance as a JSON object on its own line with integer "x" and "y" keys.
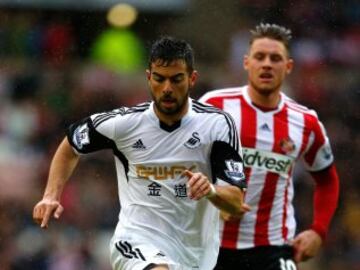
{"x": 255, "y": 107}
{"x": 186, "y": 118}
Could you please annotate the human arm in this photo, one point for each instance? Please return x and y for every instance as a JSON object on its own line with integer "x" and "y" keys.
{"x": 226, "y": 198}
{"x": 214, "y": 98}
{"x": 319, "y": 160}
{"x": 87, "y": 135}
{"x": 61, "y": 168}
{"x": 226, "y": 166}
{"x": 227, "y": 176}
{"x": 307, "y": 243}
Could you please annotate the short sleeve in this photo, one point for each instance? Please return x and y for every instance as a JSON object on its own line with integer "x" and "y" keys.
{"x": 225, "y": 130}
{"x": 226, "y": 155}
{"x": 318, "y": 154}
{"x": 92, "y": 134}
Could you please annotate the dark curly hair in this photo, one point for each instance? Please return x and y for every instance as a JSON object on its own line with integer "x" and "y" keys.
{"x": 168, "y": 49}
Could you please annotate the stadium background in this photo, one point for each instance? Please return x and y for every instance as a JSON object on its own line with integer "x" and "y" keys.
{"x": 55, "y": 68}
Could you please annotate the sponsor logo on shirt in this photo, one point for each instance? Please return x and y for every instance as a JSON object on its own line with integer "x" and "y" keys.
{"x": 81, "y": 136}
{"x": 269, "y": 161}
{"x": 265, "y": 127}
{"x": 161, "y": 172}
{"x": 139, "y": 145}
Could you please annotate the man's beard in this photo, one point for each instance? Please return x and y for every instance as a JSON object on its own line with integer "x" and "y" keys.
{"x": 179, "y": 104}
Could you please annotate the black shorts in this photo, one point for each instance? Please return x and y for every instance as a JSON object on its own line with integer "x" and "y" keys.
{"x": 258, "y": 258}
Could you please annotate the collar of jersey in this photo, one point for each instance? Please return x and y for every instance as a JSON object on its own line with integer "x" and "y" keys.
{"x": 186, "y": 118}
{"x": 250, "y": 103}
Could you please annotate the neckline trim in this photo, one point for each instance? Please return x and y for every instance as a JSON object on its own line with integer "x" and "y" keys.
{"x": 171, "y": 128}
{"x": 183, "y": 121}
{"x": 248, "y": 100}
{"x": 263, "y": 108}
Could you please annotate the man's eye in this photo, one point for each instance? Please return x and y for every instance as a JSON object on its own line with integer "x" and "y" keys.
{"x": 176, "y": 80}
{"x": 276, "y": 58}
{"x": 158, "y": 79}
{"x": 259, "y": 56}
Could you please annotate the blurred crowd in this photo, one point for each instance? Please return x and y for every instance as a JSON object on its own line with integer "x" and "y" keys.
{"x": 48, "y": 80}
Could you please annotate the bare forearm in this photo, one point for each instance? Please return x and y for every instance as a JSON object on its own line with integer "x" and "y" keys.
{"x": 229, "y": 199}
{"x": 226, "y": 198}
{"x": 62, "y": 166}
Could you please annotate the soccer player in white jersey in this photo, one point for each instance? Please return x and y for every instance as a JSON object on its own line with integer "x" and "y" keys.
{"x": 178, "y": 162}
{"x": 275, "y": 132}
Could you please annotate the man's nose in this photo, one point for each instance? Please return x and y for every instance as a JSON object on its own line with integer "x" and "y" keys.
{"x": 267, "y": 62}
{"x": 167, "y": 86}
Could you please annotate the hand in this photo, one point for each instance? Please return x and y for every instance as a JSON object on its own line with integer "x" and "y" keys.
{"x": 198, "y": 185}
{"x": 228, "y": 217}
{"x": 44, "y": 209}
{"x": 306, "y": 245}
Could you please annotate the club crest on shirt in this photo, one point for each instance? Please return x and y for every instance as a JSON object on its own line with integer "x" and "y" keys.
{"x": 194, "y": 141}
{"x": 287, "y": 145}
{"x": 235, "y": 170}
{"x": 81, "y": 136}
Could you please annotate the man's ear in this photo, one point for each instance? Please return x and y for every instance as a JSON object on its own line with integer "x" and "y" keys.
{"x": 193, "y": 77}
{"x": 246, "y": 62}
{"x": 148, "y": 74}
{"x": 289, "y": 66}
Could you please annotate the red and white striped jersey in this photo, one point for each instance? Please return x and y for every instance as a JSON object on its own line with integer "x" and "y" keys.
{"x": 272, "y": 141}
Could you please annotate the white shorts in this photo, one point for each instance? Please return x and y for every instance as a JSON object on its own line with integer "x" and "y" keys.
{"x": 133, "y": 255}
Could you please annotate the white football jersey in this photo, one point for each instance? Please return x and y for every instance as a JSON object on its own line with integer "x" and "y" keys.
{"x": 272, "y": 141}
{"x": 150, "y": 160}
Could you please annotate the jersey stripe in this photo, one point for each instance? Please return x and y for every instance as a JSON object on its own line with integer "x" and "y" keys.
{"x": 121, "y": 111}
{"x": 306, "y": 133}
{"x": 248, "y": 127}
{"x": 319, "y": 141}
{"x": 233, "y": 136}
{"x": 268, "y": 193}
{"x": 232, "y": 106}
{"x": 105, "y": 116}
{"x": 139, "y": 108}
{"x": 127, "y": 250}
{"x": 231, "y": 228}
{"x": 285, "y": 229}
{"x": 296, "y": 135}
{"x": 234, "y": 139}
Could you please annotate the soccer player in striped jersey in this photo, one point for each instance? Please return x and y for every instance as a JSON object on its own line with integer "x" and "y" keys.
{"x": 275, "y": 132}
{"x": 178, "y": 162}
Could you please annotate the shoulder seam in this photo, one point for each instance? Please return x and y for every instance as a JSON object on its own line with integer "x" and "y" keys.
{"x": 120, "y": 111}
{"x": 223, "y": 93}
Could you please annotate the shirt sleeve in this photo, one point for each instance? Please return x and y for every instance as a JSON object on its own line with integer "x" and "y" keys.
{"x": 318, "y": 154}
{"x": 93, "y": 133}
{"x": 216, "y": 102}
{"x": 326, "y": 193}
{"x": 226, "y": 155}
